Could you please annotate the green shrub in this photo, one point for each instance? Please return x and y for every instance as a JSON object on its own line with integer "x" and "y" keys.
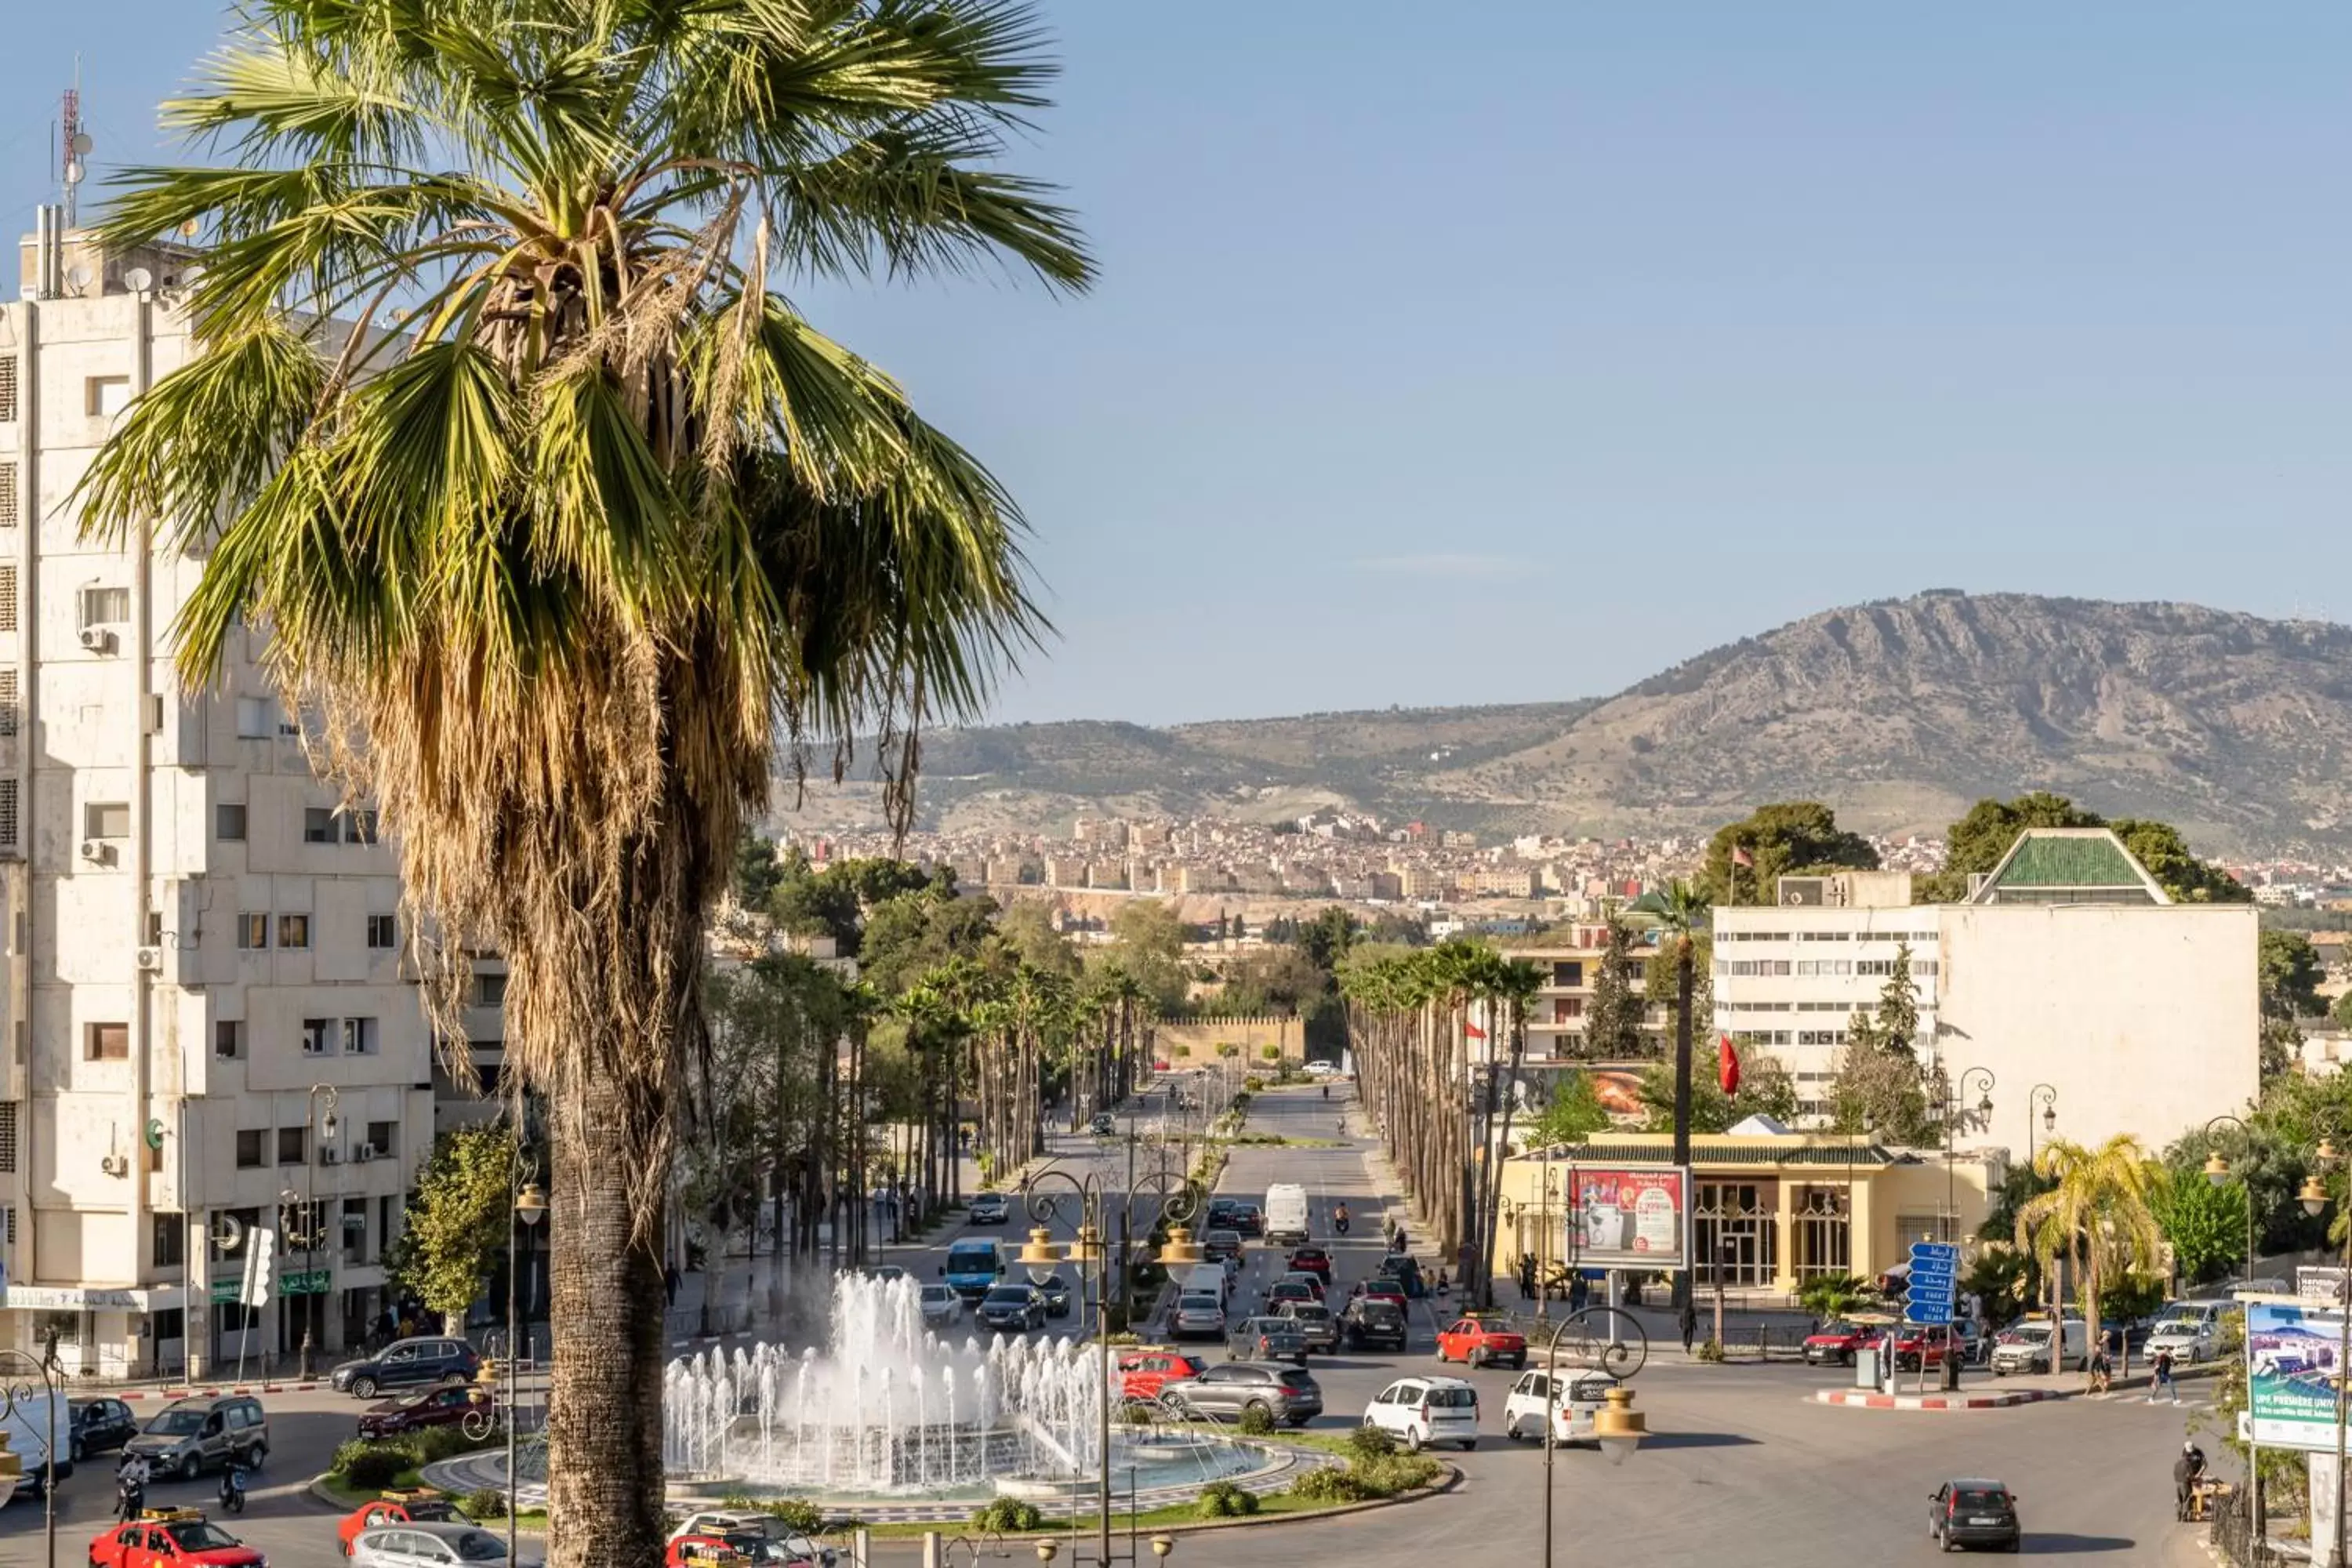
{"x": 1328, "y": 1484}
{"x": 1224, "y": 1500}
{"x": 1271, "y": 1053}
{"x": 1709, "y": 1350}
{"x": 1258, "y": 1422}
{"x": 1370, "y": 1443}
{"x": 483, "y": 1504}
{"x": 1253, "y": 1084}
{"x": 1007, "y": 1516}
{"x": 1397, "y": 1473}
{"x": 437, "y": 1443}
{"x": 369, "y": 1462}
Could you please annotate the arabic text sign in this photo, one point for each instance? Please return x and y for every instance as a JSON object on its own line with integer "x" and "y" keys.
{"x": 1632, "y": 1216}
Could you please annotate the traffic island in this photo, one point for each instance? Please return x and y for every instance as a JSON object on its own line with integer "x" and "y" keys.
{"x": 1863, "y": 1399}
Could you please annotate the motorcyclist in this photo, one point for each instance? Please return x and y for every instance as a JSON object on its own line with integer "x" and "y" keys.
{"x": 130, "y": 1479}
{"x": 232, "y": 1485}
{"x": 1340, "y": 1219}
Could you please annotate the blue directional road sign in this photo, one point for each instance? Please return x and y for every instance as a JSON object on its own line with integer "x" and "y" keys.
{"x": 1935, "y": 1282}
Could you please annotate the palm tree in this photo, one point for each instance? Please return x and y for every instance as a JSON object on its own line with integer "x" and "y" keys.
{"x": 552, "y": 567}
{"x": 1681, "y": 914}
{"x": 2101, "y": 1215}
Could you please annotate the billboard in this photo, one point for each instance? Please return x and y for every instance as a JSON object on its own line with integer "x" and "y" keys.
{"x": 2292, "y": 1351}
{"x": 1630, "y": 1216}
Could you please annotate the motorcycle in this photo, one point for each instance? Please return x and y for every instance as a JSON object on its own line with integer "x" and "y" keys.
{"x": 231, "y": 1488}
{"x": 129, "y": 1499}
{"x": 1340, "y": 1222}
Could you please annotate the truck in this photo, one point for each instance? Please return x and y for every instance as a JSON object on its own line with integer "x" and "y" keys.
{"x": 1285, "y": 1214}
{"x": 972, "y": 1269}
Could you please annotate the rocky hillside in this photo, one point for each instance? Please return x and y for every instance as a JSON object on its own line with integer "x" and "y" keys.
{"x": 1898, "y": 713}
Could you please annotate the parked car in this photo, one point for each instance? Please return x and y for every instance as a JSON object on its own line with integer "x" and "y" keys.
{"x": 990, "y": 1208}
{"x": 1974, "y": 1513}
{"x": 444, "y": 1407}
{"x": 2191, "y": 1330}
{"x": 1838, "y": 1342}
{"x": 942, "y": 1305}
{"x": 1420, "y": 1411}
{"x": 1311, "y": 1260}
{"x": 420, "y": 1506}
{"x": 1200, "y": 1314}
{"x": 1374, "y": 1323}
{"x": 1266, "y": 1339}
{"x": 427, "y": 1546}
{"x": 171, "y": 1537}
{"x": 1315, "y": 1321}
{"x": 798, "y": 1548}
{"x": 1056, "y": 1291}
{"x": 97, "y": 1426}
{"x": 1009, "y": 1308}
{"x": 1233, "y": 1388}
{"x": 2027, "y": 1346}
{"x": 1143, "y": 1373}
{"x": 1478, "y": 1342}
{"x": 1321, "y": 1069}
{"x": 1918, "y": 1347}
{"x": 1573, "y": 1399}
{"x": 406, "y": 1364}
{"x": 189, "y": 1437}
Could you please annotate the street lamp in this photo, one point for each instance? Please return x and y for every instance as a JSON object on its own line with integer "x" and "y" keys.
{"x": 528, "y": 1207}
{"x": 315, "y": 1137}
{"x": 2042, "y": 1095}
{"x": 1177, "y": 1201}
{"x": 1982, "y": 1079}
{"x": 2217, "y": 1174}
{"x": 18, "y": 1367}
{"x": 1618, "y": 1426}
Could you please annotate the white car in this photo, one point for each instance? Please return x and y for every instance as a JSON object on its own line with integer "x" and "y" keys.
{"x": 1321, "y": 1069}
{"x": 942, "y": 1307}
{"x": 426, "y": 1545}
{"x": 1579, "y": 1399}
{"x": 2187, "y": 1340}
{"x": 1419, "y": 1411}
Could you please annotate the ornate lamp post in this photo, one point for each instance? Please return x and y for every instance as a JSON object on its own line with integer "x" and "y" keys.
{"x": 22, "y": 1376}
{"x": 1954, "y": 1102}
{"x": 2042, "y": 1095}
{"x": 2217, "y": 1174}
{"x": 1619, "y": 1428}
{"x": 1045, "y": 1191}
{"x": 527, "y": 1207}
{"x": 315, "y": 1136}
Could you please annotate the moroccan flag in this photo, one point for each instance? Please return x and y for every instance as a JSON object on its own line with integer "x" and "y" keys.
{"x": 1473, "y": 1030}
{"x": 1726, "y": 1066}
{"x": 1740, "y": 856}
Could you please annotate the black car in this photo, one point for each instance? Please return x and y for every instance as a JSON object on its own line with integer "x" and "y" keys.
{"x": 1221, "y": 1244}
{"x": 1249, "y": 1219}
{"x": 990, "y": 1208}
{"x": 1056, "y": 1291}
{"x": 406, "y": 1364}
{"x": 1266, "y": 1339}
{"x": 99, "y": 1424}
{"x": 1317, "y": 1322}
{"x": 1370, "y": 1323}
{"x": 1221, "y": 1214}
{"x": 1974, "y": 1513}
{"x": 1012, "y": 1307}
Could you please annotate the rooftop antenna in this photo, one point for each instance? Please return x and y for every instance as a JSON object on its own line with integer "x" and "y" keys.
{"x": 77, "y": 148}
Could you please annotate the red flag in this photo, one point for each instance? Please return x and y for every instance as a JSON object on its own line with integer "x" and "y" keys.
{"x": 1740, "y": 856}
{"x": 1474, "y": 1031}
{"x": 1726, "y": 1066}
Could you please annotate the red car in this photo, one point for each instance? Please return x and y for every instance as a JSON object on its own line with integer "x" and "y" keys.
{"x": 168, "y": 1538}
{"x": 1379, "y": 1291}
{"x": 443, "y": 1406}
{"x": 1837, "y": 1342}
{"x": 1917, "y": 1348}
{"x": 1142, "y": 1373}
{"x": 419, "y": 1507}
{"x": 1312, "y": 1260}
{"x": 1473, "y": 1341}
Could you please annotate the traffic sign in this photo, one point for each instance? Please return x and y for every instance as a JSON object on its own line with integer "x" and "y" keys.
{"x": 1928, "y": 1254}
{"x": 1928, "y": 1313}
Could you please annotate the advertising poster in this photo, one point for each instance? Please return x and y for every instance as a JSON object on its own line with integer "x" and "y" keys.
{"x": 1631, "y": 1217}
{"x": 2291, "y": 1352}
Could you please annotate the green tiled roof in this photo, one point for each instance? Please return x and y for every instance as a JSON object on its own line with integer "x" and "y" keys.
{"x": 1602, "y": 1151}
{"x": 2069, "y": 860}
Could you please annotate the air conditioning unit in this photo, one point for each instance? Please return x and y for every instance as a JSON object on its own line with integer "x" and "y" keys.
{"x": 98, "y": 851}
{"x": 150, "y": 959}
{"x": 331, "y": 1155}
{"x": 364, "y": 1152}
{"x": 98, "y": 639}
{"x": 115, "y": 1164}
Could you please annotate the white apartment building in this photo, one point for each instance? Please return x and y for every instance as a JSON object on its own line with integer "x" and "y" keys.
{"x": 208, "y": 1030}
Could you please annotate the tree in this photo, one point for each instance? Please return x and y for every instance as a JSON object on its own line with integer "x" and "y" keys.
{"x": 554, "y": 566}
{"x": 1574, "y": 1115}
{"x": 1271, "y": 980}
{"x": 2205, "y": 1224}
{"x": 1975, "y": 844}
{"x": 2159, "y": 846}
{"x": 1327, "y": 938}
{"x": 1149, "y": 948}
{"x": 1765, "y": 1089}
{"x": 457, "y": 1224}
{"x": 2290, "y": 976}
{"x": 1897, "y": 1025}
{"x": 1612, "y": 1027}
{"x": 756, "y": 871}
{"x": 1784, "y": 837}
{"x": 1882, "y": 1093}
{"x": 2100, "y": 1212}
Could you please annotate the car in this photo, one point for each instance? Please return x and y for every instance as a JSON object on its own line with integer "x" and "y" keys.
{"x": 1374, "y": 1323}
{"x": 1917, "y": 1348}
{"x": 1266, "y": 1339}
{"x": 1838, "y": 1342}
{"x": 1220, "y": 1246}
{"x": 433, "y": 1545}
{"x": 406, "y": 1364}
{"x": 1233, "y": 1389}
{"x": 1144, "y": 1373}
{"x": 1574, "y": 1400}
{"x": 990, "y": 1208}
{"x": 98, "y": 1425}
{"x": 797, "y": 1546}
{"x": 889, "y": 1272}
{"x": 1387, "y": 1290}
{"x": 1321, "y": 1069}
{"x": 1012, "y": 1307}
{"x": 740, "y": 1546}
{"x": 1311, "y": 1260}
{"x": 1404, "y": 1273}
{"x": 1480, "y": 1342}
{"x": 168, "y": 1538}
{"x": 941, "y": 1305}
{"x": 1420, "y": 1411}
{"x": 1199, "y": 1313}
{"x": 1056, "y": 1291}
{"x": 1249, "y": 1219}
{"x": 444, "y": 1407}
{"x": 1974, "y": 1513}
{"x": 189, "y": 1437}
{"x": 421, "y": 1505}
{"x": 1220, "y": 1215}
{"x": 1293, "y": 1287}
{"x": 1315, "y": 1321}
{"x": 1102, "y": 1126}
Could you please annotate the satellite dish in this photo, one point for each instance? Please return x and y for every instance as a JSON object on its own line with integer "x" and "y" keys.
{"x": 139, "y": 279}
{"x": 77, "y": 277}
{"x": 229, "y": 1231}
{"x": 82, "y": 143}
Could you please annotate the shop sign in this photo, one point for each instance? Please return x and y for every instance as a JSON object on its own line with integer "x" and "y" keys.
{"x": 304, "y": 1282}
{"x": 74, "y": 1298}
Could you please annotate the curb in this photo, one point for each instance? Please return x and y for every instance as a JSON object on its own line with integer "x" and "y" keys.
{"x": 1855, "y": 1399}
{"x": 218, "y": 1393}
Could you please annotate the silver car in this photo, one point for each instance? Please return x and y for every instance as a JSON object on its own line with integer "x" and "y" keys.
{"x": 1199, "y": 1314}
{"x": 942, "y": 1307}
{"x": 429, "y": 1546}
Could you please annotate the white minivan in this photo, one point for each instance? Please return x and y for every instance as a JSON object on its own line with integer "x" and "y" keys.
{"x": 1214, "y": 1277}
{"x": 1419, "y": 1411}
{"x": 1576, "y": 1400}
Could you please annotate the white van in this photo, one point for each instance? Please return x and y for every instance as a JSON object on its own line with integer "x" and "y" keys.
{"x": 28, "y": 1426}
{"x": 1285, "y": 1214}
{"x": 2025, "y": 1347}
{"x": 1208, "y": 1279}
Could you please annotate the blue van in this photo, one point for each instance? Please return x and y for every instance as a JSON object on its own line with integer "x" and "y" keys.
{"x": 972, "y": 1269}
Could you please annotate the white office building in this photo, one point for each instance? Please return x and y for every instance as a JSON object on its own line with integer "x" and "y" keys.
{"x": 205, "y": 1024}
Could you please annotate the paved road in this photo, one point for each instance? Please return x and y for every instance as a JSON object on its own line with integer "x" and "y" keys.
{"x": 1742, "y": 1467}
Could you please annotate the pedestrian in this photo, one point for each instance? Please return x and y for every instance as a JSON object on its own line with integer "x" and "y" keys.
{"x": 1687, "y": 1320}
{"x": 669, "y": 1283}
{"x": 2163, "y": 1381}
{"x": 1579, "y": 1292}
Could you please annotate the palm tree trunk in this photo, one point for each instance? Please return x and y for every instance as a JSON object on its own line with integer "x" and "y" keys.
{"x": 1683, "y": 980}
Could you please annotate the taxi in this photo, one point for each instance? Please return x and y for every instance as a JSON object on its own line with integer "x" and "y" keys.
{"x": 1475, "y": 1341}
{"x": 1145, "y": 1370}
{"x": 739, "y": 1549}
{"x": 413, "y": 1505}
{"x": 168, "y": 1538}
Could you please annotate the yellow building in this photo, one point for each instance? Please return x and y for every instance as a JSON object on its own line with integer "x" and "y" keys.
{"x": 1770, "y": 1209}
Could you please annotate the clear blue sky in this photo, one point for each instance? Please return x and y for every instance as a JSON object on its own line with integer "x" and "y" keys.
{"x": 1513, "y": 351}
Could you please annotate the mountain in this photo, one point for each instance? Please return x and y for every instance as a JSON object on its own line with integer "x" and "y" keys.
{"x": 1898, "y": 713}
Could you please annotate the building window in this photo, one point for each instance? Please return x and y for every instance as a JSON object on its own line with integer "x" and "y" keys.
{"x": 228, "y": 823}
{"x": 293, "y": 1145}
{"x": 7, "y": 1137}
{"x": 379, "y": 1137}
{"x": 106, "y": 1042}
{"x": 106, "y": 819}
{"x": 355, "y": 1231}
{"x": 358, "y": 1036}
{"x": 383, "y": 930}
{"x": 294, "y": 931}
{"x": 490, "y": 990}
{"x": 9, "y": 709}
{"x": 7, "y": 814}
{"x": 154, "y": 928}
{"x": 8, "y": 392}
{"x": 319, "y": 825}
{"x": 105, "y": 606}
{"x": 171, "y": 1240}
{"x": 7, "y": 485}
{"x": 7, "y": 598}
{"x": 253, "y": 932}
{"x": 257, "y": 718}
{"x": 316, "y": 1032}
{"x": 359, "y": 828}
{"x": 228, "y": 1038}
{"x": 1569, "y": 972}
{"x": 104, "y": 396}
{"x": 248, "y": 1149}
